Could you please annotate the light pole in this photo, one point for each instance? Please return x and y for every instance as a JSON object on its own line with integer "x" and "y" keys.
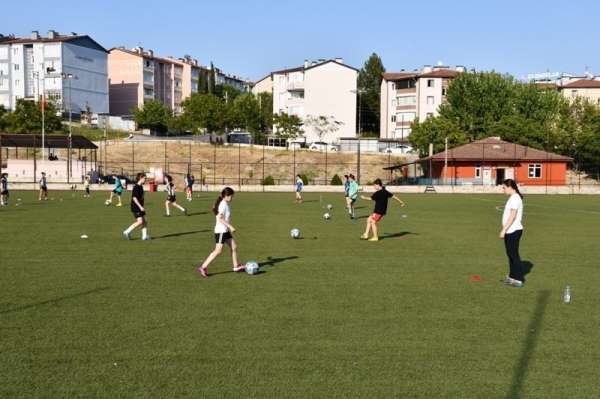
{"x": 69, "y": 77}
{"x": 42, "y": 98}
{"x": 358, "y": 93}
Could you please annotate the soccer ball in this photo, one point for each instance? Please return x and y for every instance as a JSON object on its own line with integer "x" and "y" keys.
{"x": 107, "y": 202}
{"x": 295, "y": 233}
{"x": 327, "y": 216}
{"x": 329, "y": 206}
{"x": 252, "y": 267}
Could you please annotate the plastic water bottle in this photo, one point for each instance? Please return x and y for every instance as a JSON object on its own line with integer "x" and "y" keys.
{"x": 567, "y": 294}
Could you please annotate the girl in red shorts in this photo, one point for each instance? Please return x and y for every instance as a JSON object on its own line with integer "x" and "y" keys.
{"x": 381, "y": 197}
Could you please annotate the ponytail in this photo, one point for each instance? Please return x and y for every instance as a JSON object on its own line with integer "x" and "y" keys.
{"x": 227, "y": 192}
{"x": 513, "y": 184}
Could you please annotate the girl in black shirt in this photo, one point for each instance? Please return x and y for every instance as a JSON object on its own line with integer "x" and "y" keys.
{"x": 381, "y": 197}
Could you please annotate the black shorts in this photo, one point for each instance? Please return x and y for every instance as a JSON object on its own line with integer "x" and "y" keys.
{"x": 87, "y": 190}
{"x": 222, "y": 238}
{"x": 353, "y": 200}
{"x": 172, "y": 198}
{"x": 5, "y": 192}
{"x": 138, "y": 213}
{"x": 44, "y": 188}
{"x": 117, "y": 192}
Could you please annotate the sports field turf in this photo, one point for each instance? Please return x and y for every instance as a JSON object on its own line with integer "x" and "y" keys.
{"x": 331, "y": 316}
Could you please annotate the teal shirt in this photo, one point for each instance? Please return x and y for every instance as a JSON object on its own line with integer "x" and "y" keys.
{"x": 118, "y": 186}
{"x": 353, "y": 190}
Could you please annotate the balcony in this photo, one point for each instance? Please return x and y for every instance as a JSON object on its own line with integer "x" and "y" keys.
{"x": 295, "y": 86}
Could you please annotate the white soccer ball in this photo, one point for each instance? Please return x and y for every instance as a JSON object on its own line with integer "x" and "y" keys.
{"x": 252, "y": 267}
{"x": 295, "y": 233}
{"x": 326, "y": 216}
{"x": 329, "y": 206}
{"x": 107, "y": 202}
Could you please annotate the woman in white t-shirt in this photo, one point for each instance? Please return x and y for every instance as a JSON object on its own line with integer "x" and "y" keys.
{"x": 512, "y": 230}
{"x": 223, "y": 233}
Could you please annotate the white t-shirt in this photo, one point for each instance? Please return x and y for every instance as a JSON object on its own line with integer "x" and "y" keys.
{"x": 514, "y": 202}
{"x": 226, "y": 212}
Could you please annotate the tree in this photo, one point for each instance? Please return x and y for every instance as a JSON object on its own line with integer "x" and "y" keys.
{"x": 204, "y": 112}
{"x": 3, "y": 115}
{"x": 265, "y": 105}
{"x": 227, "y": 93}
{"x": 212, "y": 77}
{"x": 322, "y": 125}
{"x": 369, "y": 86}
{"x": 435, "y": 130}
{"x": 154, "y": 115}
{"x": 287, "y": 126}
{"x": 27, "y": 118}
{"x": 203, "y": 79}
{"x": 243, "y": 113}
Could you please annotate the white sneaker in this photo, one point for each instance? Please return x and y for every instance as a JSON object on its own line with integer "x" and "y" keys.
{"x": 127, "y": 235}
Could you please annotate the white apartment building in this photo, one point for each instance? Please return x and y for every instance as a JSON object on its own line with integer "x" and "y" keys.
{"x": 406, "y": 96}
{"x": 35, "y": 65}
{"x": 320, "y": 88}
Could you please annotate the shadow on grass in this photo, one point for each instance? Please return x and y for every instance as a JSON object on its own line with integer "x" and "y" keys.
{"x": 273, "y": 261}
{"x": 180, "y": 234}
{"x": 527, "y": 266}
{"x": 533, "y": 331}
{"x": 396, "y": 235}
{"x": 197, "y": 213}
{"x": 54, "y": 301}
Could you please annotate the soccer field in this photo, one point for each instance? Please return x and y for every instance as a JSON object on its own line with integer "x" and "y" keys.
{"x": 331, "y": 316}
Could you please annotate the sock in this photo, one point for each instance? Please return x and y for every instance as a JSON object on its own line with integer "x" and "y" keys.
{"x": 144, "y": 232}
{"x": 129, "y": 229}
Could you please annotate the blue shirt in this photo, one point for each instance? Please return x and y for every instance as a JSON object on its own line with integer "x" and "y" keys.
{"x": 299, "y": 185}
{"x": 346, "y": 186}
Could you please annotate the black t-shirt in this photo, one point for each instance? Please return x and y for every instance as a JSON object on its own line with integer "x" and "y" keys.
{"x": 381, "y": 200}
{"x": 138, "y": 192}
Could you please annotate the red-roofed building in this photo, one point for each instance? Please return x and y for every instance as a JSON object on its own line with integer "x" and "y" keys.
{"x": 491, "y": 160}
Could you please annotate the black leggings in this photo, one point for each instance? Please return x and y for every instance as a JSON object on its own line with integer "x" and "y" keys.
{"x": 511, "y": 242}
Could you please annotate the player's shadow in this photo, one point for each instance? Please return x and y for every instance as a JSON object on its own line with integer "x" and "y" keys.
{"x": 54, "y": 301}
{"x": 180, "y": 234}
{"x": 396, "y": 235}
{"x": 273, "y": 261}
{"x": 197, "y": 213}
{"x": 527, "y": 267}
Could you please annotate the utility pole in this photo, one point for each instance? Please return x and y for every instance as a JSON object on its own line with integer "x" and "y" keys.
{"x": 359, "y": 136}
{"x": 445, "y": 160}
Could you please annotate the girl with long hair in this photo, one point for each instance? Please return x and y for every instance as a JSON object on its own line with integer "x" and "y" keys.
{"x": 512, "y": 231}
{"x": 223, "y": 233}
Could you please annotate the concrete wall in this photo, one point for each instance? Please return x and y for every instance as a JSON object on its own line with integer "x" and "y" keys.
{"x": 265, "y": 85}
{"x": 90, "y": 66}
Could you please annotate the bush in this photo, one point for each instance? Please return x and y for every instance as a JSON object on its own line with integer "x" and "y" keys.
{"x": 336, "y": 180}
{"x": 304, "y": 178}
{"x": 268, "y": 181}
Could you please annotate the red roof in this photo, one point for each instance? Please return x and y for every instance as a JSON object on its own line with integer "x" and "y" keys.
{"x": 583, "y": 84}
{"x": 494, "y": 149}
{"x": 398, "y": 75}
{"x": 440, "y": 73}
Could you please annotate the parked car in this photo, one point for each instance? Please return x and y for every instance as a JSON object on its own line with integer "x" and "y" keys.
{"x": 322, "y": 146}
{"x": 399, "y": 149}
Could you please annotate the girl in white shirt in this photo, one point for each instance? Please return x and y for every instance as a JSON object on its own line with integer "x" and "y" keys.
{"x": 223, "y": 233}
{"x": 512, "y": 230}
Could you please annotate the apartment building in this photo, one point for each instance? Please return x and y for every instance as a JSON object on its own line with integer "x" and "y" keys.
{"x": 571, "y": 86}
{"x": 136, "y": 76}
{"x": 69, "y": 70}
{"x": 409, "y": 96}
{"x": 319, "y": 88}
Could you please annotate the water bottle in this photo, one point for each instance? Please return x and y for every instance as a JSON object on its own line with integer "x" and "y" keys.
{"x": 567, "y": 294}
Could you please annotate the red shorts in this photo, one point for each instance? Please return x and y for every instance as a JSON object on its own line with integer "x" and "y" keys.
{"x": 376, "y": 217}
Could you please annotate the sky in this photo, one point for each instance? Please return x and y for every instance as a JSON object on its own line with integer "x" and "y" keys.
{"x": 252, "y": 38}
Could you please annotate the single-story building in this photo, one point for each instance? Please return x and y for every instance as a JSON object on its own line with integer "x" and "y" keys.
{"x": 490, "y": 161}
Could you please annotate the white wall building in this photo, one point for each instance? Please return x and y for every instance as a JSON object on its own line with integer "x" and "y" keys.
{"x": 31, "y": 65}
{"x": 324, "y": 88}
{"x": 406, "y": 96}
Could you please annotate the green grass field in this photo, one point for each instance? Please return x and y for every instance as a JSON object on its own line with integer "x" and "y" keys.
{"x": 331, "y": 316}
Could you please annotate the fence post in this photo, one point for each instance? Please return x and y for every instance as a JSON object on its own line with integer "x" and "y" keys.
{"x": 132, "y": 157}
{"x": 215, "y": 165}
{"x": 294, "y": 175}
{"x": 263, "y": 169}
{"x": 239, "y": 166}
{"x": 326, "y": 179}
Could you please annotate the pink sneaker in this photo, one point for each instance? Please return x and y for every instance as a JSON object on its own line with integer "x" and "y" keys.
{"x": 203, "y": 272}
{"x": 239, "y": 268}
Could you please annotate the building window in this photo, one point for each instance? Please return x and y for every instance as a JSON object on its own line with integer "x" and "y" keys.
{"x": 393, "y": 86}
{"x": 535, "y": 171}
{"x": 430, "y": 100}
{"x": 405, "y": 117}
{"x": 15, "y": 51}
{"x": 394, "y": 103}
{"x": 393, "y": 118}
{"x": 405, "y": 84}
{"x": 477, "y": 171}
{"x": 429, "y": 115}
{"x": 408, "y": 100}
{"x": 430, "y": 83}
{"x": 444, "y": 90}
{"x": 573, "y": 93}
{"x": 17, "y": 82}
{"x": 297, "y": 94}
